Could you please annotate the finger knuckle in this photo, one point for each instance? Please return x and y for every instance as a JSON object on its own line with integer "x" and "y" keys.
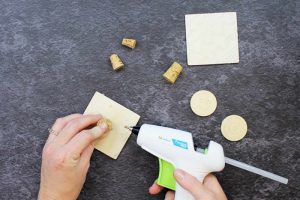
{"x": 59, "y": 121}
{"x": 47, "y": 151}
{"x": 91, "y": 147}
{"x": 59, "y": 160}
{"x": 88, "y": 119}
{"x": 83, "y": 119}
{"x": 71, "y": 156}
{"x": 210, "y": 179}
{"x": 87, "y": 136}
{"x": 79, "y": 123}
{"x": 73, "y": 124}
{"x": 194, "y": 184}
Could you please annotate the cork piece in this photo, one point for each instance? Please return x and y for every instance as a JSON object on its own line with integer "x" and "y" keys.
{"x": 173, "y": 72}
{"x": 203, "y": 103}
{"x": 116, "y": 62}
{"x": 129, "y": 43}
{"x": 234, "y": 128}
{"x": 107, "y": 122}
{"x": 113, "y": 142}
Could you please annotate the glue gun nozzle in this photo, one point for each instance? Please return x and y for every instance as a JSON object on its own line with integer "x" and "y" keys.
{"x": 128, "y": 127}
{"x": 134, "y": 129}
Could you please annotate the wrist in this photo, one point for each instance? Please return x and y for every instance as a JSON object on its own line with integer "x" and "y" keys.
{"x": 47, "y": 195}
{"x": 44, "y": 195}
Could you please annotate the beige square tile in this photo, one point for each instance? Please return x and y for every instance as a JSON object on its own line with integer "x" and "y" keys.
{"x": 212, "y": 38}
{"x": 113, "y": 142}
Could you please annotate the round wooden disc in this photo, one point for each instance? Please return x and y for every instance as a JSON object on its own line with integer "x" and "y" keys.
{"x": 203, "y": 103}
{"x": 234, "y": 128}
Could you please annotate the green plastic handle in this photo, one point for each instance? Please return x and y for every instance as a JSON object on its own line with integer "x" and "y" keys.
{"x": 166, "y": 170}
{"x": 165, "y": 176}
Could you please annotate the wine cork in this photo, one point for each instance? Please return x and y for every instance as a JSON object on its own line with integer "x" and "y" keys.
{"x": 129, "y": 42}
{"x": 173, "y": 72}
{"x": 116, "y": 62}
{"x": 106, "y": 121}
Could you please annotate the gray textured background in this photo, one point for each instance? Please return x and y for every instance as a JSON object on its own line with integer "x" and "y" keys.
{"x": 54, "y": 56}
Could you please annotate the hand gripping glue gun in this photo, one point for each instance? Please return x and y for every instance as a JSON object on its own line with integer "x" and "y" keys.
{"x": 176, "y": 148}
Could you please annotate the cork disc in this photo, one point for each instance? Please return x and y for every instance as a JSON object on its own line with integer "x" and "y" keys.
{"x": 234, "y": 128}
{"x": 203, "y": 103}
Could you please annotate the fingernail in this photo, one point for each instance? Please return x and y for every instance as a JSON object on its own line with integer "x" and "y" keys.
{"x": 103, "y": 126}
{"x": 96, "y": 131}
{"x": 179, "y": 174}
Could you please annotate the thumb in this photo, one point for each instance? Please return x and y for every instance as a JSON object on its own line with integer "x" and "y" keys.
{"x": 85, "y": 138}
{"x": 191, "y": 184}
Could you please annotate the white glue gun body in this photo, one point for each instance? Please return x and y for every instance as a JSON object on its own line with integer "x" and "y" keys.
{"x": 177, "y": 147}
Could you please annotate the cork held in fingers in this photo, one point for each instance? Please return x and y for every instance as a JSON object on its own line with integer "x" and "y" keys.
{"x": 116, "y": 62}
{"x": 131, "y": 43}
{"x": 107, "y": 122}
{"x": 173, "y": 72}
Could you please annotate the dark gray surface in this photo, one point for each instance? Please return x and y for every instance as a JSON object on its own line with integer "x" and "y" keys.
{"x": 54, "y": 56}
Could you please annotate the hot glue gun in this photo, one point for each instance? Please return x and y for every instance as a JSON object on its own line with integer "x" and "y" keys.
{"x": 175, "y": 149}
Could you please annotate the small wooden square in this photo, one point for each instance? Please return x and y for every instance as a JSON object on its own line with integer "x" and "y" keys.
{"x": 113, "y": 142}
{"x": 212, "y": 38}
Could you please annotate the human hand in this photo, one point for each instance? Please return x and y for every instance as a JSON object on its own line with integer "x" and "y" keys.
{"x": 210, "y": 189}
{"x": 66, "y": 156}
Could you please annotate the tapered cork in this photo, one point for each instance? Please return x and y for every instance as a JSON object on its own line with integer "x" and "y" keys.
{"x": 173, "y": 72}
{"x": 116, "y": 62}
{"x": 129, "y": 43}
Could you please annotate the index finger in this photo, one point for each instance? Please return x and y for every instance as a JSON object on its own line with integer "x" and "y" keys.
{"x": 155, "y": 188}
{"x": 59, "y": 124}
{"x": 211, "y": 182}
{"x": 83, "y": 139}
{"x": 75, "y": 126}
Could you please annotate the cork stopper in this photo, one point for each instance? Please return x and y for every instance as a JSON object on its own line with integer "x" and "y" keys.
{"x": 106, "y": 121}
{"x": 129, "y": 42}
{"x": 116, "y": 62}
{"x": 173, "y": 72}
